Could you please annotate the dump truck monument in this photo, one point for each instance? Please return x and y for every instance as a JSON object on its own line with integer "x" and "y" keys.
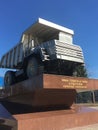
{"x": 38, "y": 95}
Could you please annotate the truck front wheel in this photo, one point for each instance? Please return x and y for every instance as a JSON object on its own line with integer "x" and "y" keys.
{"x": 9, "y": 78}
{"x": 32, "y": 67}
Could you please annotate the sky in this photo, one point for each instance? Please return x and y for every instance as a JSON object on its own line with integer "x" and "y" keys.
{"x": 78, "y": 15}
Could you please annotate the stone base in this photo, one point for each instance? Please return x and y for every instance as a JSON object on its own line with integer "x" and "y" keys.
{"x": 45, "y": 103}
{"x": 57, "y": 120}
{"x": 45, "y": 118}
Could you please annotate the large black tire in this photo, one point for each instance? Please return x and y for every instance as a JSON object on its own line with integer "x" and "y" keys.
{"x": 9, "y": 78}
{"x": 33, "y": 67}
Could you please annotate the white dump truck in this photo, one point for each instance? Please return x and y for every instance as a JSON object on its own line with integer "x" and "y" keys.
{"x": 44, "y": 47}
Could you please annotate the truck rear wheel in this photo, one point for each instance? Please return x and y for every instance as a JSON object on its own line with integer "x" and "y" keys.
{"x": 9, "y": 78}
{"x": 33, "y": 67}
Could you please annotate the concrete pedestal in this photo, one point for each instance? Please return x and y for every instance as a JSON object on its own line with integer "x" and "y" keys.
{"x": 57, "y": 120}
{"x": 46, "y": 103}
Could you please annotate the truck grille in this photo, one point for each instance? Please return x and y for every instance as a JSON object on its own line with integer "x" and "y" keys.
{"x": 69, "y": 52}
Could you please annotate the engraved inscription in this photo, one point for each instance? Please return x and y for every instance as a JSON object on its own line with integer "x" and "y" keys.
{"x": 74, "y": 83}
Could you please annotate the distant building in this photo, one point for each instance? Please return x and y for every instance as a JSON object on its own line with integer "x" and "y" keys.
{"x": 1, "y": 82}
